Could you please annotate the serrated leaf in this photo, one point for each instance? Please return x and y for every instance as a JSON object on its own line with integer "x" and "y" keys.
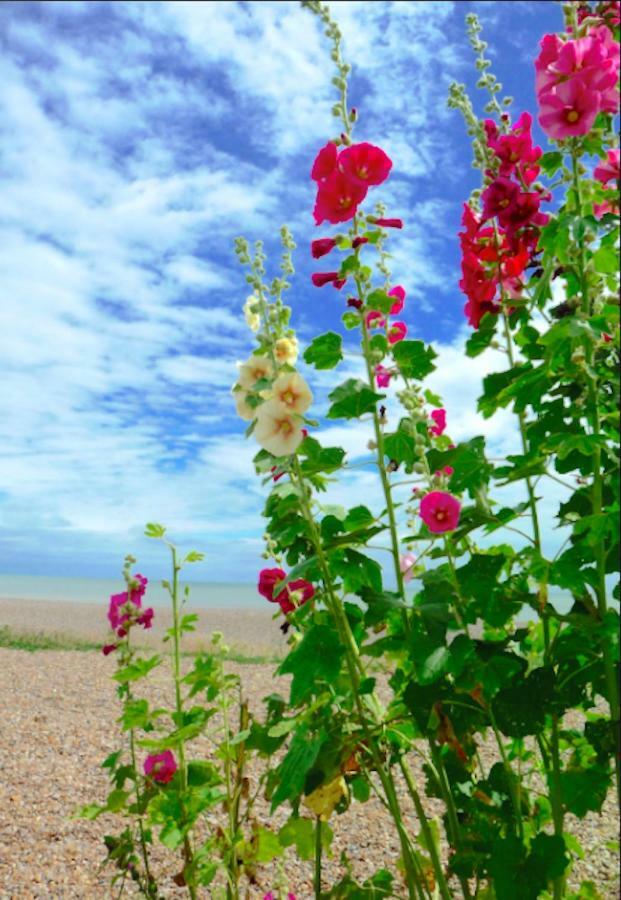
{"x": 415, "y": 360}
{"x": 325, "y": 352}
{"x": 352, "y": 399}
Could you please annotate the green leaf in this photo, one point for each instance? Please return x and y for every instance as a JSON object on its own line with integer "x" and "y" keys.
{"x": 584, "y": 789}
{"x": 471, "y": 469}
{"x": 434, "y": 666}
{"x": 300, "y": 832}
{"x": 351, "y": 319}
{"x": 400, "y": 446}
{"x": 551, "y": 162}
{"x": 414, "y": 359}
{"x": 352, "y": 399}
{"x": 325, "y": 352}
{"x": 358, "y": 517}
{"x": 193, "y": 556}
{"x": 153, "y": 530}
{"x": 298, "y": 761}
{"x": 480, "y": 339}
{"x": 313, "y": 663}
{"x": 379, "y": 300}
{"x": 137, "y": 669}
{"x": 606, "y": 261}
{"x": 521, "y": 709}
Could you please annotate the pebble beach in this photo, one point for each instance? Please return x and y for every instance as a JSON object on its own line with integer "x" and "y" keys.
{"x": 58, "y": 711}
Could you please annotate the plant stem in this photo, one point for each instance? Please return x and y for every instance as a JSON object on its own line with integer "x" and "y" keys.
{"x": 597, "y": 487}
{"x": 143, "y": 843}
{"x": 318, "y": 854}
{"x": 183, "y": 773}
{"x": 513, "y": 785}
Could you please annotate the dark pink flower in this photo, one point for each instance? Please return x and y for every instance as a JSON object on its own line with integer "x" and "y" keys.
{"x": 146, "y": 618}
{"x": 396, "y": 332}
{"x": 365, "y": 163}
{"x": 325, "y": 162}
{"x": 358, "y": 242}
{"x": 108, "y": 648}
{"x": 569, "y": 110}
{"x": 499, "y": 197}
{"x": 439, "y": 417}
{"x": 160, "y": 766}
{"x": 322, "y": 246}
{"x": 295, "y": 594}
{"x": 398, "y": 292}
{"x": 354, "y": 302}
{"x": 338, "y": 198}
{"x": 406, "y": 565}
{"x": 375, "y": 319}
{"x": 382, "y": 376}
{"x": 607, "y": 338}
{"x": 388, "y": 223}
{"x": 320, "y": 279}
{"x": 440, "y": 511}
{"x": 268, "y": 578}
{"x": 608, "y": 170}
{"x": 448, "y": 470}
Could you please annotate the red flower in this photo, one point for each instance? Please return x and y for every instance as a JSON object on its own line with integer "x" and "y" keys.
{"x": 358, "y": 242}
{"x": 108, "y": 648}
{"x": 325, "y": 162}
{"x": 396, "y": 332}
{"x": 365, "y": 163}
{"x": 440, "y": 511}
{"x": 398, "y": 292}
{"x": 268, "y": 578}
{"x": 319, "y": 279}
{"x": 388, "y": 223}
{"x": 322, "y": 246}
{"x": 160, "y": 766}
{"x": 500, "y": 196}
{"x": 338, "y": 197}
{"x": 439, "y": 417}
{"x": 295, "y": 594}
{"x": 375, "y": 319}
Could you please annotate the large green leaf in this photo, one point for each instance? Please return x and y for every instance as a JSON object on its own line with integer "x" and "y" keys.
{"x": 415, "y": 360}
{"x": 298, "y": 761}
{"x": 352, "y": 399}
{"x": 315, "y": 662}
{"x": 325, "y": 352}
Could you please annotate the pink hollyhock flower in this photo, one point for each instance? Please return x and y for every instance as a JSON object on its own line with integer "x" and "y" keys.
{"x": 600, "y": 209}
{"x": 268, "y": 578}
{"x": 160, "y": 766}
{"x": 406, "y": 565}
{"x": 108, "y": 648}
{"x": 295, "y": 594}
{"x": 439, "y": 417}
{"x": 325, "y": 162}
{"x": 146, "y": 619}
{"x": 375, "y": 319}
{"x": 569, "y": 110}
{"x": 440, "y": 511}
{"x": 516, "y": 151}
{"x": 365, "y": 163}
{"x": 120, "y": 610}
{"x": 499, "y": 197}
{"x": 358, "y": 242}
{"x": 338, "y": 198}
{"x": 397, "y": 332}
{"x": 388, "y": 223}
{"x": 608, "y": 170}
{"x": 322, "y": 246}
{"x": 354, "y": 302}
{"x": 592, "y": 60}
{"x": 320, "y": 279}
{"x": 137, "y": 587}
{"x": 382, "y": 376}
{"x": 607, "y": 338}
{"x": 448, "y": 470}
{"x": 398, "y": 292}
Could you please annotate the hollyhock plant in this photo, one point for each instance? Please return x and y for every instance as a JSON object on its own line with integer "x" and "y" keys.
{"x": 386, "y": 223}
{"x": 382, "y": 376}
{"x": 365, "y": 163}
{"x": 125, "y": 607}
{"x": 160, "y": 767}
{"x": 375, "y": 319}
{"x": 608, "y": 170}
{"x": 440, "y": 511}
{"x": 325, "y": 162}
{"x": 320, "y": 279}
{"x": 398, "y": 292}
{"x": 568, "y": 111}
{"x": 268, "y": 578}
{"x": 277, "y": 430}
{"x": 256, "y": 368}
{"x": 286, "y": 351}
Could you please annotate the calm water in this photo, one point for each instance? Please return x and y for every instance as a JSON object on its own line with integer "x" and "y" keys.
{"x": 98, "y": 590}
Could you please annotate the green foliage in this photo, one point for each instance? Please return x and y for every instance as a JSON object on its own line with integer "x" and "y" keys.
{"x": 325, "y": 351}
{"x": 352, "y": 399}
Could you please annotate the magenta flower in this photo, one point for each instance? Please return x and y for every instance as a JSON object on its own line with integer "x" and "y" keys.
{"x": 320, "y": 279}
{"x": 365, "y": 163}
{"x": 439, "y": 418}
{"x": 608, "y": 170}
{"x": 325, "y": 162}
{"x": 398, "y": 292}
{"x": 108, "y": 648}
{"x": 268, "y": 578}
{"x": 440, "y": 511}
{"x": 569, "y": 110}
{"x": 146, "y": 619}
{"x": 160, "y": 766}
{"x": 322, "y": 246}
{"x": 382, "y": 376}
{"x": 358, "y": 242}
{"x": 375, "y": 319}
{"x": 338, "y": 198}
{"x": 295, "y": 594}
{"x": 397, "y": 332}
{"x": 388, "y": 223}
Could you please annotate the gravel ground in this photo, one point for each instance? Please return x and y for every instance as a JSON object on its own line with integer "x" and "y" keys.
{"x": 58, "y": 710}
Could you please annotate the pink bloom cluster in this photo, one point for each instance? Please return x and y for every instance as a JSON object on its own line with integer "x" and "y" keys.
{"x": 344, "y": 178}
{"x": 575, "y": 80}
{"x": 440, "y": 511}
{"x": 125, "y": 610}
{"x": 160, "y": 766}
{"x": 294, "y": 594}
{"x": 395, "y": 331}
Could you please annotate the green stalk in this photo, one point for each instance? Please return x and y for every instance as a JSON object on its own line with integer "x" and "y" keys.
{"x": 597, "y": 487}
{"x": 183, "y": 773}
{"x": 231, "y": 892}
{"x": 318, "y": 854}
{"x": 143, "y": 843}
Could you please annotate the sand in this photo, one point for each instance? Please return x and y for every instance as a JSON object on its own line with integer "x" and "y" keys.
{"x": 58, "y": 711}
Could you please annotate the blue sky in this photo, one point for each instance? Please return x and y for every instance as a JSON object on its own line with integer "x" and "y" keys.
{"x": 139, "y": 139}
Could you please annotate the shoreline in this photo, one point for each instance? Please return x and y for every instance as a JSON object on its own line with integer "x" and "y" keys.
{"x": 249, "y": 631}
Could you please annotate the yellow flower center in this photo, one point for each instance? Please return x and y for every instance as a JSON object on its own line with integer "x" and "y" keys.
{"x": 440, "y": 515}
{"x": 288, "y": 397}
{"x": 504, "y": 203}
{"x": 573, "y": 116}
{"x": 363, "y": 172}
{"x": 344, "y": 202}
{"x": 285, "y": 427}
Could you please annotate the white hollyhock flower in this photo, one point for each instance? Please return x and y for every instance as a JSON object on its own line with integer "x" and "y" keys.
{"x": 292, "y": 393}
{"x": 253, "y": 319}
{"x": 253, "y": 369}
{"x": 286, "y": 351}
{"x": 277, "y": 430}
{"x": 244, "y": 410}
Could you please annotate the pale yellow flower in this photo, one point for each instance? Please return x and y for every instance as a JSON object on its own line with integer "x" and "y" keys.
{"x": 292, "y": 393}
{"x": 253, "y": 369}
{"x": 242, "y": 406}
{"x": 277, "y": 430}
{"x": 323, "y": 801}
{"x": 253, "y": 319}
{"x": 286, "y": 351}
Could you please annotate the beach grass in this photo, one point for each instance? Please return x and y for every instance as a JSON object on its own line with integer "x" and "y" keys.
{"x": 33, "y": 641}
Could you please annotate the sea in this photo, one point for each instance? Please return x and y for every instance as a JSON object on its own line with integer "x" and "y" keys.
{"x": 205, "y": 595}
